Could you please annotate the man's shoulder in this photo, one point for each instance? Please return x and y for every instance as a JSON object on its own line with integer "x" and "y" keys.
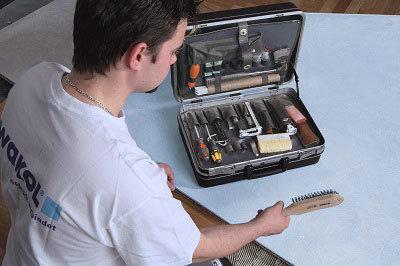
{"x": 40, "y": 71}
{"x": 39, "y": 74}
{"x": 44, "y": 67}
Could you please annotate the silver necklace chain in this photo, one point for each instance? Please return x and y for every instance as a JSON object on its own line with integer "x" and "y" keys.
{"x": 86, "y": 95}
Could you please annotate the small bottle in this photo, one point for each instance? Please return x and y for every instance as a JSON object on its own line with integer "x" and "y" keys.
{"x": 257, "y": 60}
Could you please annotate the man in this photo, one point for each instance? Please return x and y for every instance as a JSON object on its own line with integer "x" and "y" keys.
{"x": 78, "y": 188}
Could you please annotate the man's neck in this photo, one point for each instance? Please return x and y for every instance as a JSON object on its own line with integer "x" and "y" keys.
{"x": 111, "y": 90}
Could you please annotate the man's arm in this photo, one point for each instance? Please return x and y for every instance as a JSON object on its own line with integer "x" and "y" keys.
{"x": 220, "y": 241}
{"x": 170, "y": 175}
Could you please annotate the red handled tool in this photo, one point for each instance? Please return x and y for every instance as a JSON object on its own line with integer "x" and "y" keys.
{"x": 201, "y": 147}
{"x": 193, "y": 74}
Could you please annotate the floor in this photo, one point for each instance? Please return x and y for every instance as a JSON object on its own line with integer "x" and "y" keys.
{"x": 3, "y": 3}
{"x": 12, "y": 10}
{"x": 18, "y": 8}
{"x": 387, "y": 7}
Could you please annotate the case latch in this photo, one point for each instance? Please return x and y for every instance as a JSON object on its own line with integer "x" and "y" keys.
{"x": 249, "y": 170}
{"x": 284, "y": 162}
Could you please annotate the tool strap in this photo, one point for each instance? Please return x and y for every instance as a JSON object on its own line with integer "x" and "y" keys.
{"x": 246, "y": 52}
{"x": 217, "y": 82}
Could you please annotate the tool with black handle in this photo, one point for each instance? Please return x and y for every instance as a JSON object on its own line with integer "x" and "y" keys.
{"x": 281, "y": 117}
{"x": 261, "y": 111}
{"x": 202, "y": 150}
{"x": 215, "y": 153}
{"x": 245, "y": 114}
{"x": 230, "y": 115}
{"x": 213, "y": 116}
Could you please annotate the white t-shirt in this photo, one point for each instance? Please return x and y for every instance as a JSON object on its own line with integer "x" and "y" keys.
{"x": 79, "y": 190}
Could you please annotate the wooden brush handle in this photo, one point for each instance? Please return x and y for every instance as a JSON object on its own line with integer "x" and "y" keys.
{"x": 306, "y": 135}
{"x": 313, "y": 204}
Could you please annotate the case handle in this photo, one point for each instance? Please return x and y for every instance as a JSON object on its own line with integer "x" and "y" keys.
{"x": 252, "y": 172}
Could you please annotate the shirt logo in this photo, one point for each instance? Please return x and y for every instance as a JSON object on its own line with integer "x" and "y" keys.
{"x": 30, "y": 187}
{"x": 51, "y": 209}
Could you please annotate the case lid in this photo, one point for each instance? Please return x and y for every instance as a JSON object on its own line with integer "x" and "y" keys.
{"x": 231, "y": 51}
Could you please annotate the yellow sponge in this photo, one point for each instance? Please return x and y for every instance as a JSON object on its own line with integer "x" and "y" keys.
{"x": 271, "y": 143}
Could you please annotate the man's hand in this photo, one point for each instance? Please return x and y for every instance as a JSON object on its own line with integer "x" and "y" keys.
{"x": 271, "y": 220}
{"x": 220, "y": 241}
{"x": 170, "y": 174}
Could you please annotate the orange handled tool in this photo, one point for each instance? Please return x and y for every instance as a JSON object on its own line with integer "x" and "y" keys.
{"x": 203, "y": 152}
{"x": 193, "y": 74}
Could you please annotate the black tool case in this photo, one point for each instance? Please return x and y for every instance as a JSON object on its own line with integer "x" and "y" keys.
{"x": 231, "y": 77}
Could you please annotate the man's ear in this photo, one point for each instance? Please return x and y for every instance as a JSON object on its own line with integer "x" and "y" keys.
{"x": 137, "y": 55}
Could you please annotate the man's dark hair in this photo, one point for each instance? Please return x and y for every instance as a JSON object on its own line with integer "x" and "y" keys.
{"x": 105, "y": 29}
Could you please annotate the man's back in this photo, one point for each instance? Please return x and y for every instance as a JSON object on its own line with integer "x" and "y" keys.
{"x": 78, "y": 188}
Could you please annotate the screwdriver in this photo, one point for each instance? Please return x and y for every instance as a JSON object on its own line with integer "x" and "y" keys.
{"x": 193, "y": 74}
{"x": 202, "y": 150}
{"x": 216, "y": 155}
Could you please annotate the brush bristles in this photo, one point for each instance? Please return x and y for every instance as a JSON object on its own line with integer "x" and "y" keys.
{"x": 313, "y": 195}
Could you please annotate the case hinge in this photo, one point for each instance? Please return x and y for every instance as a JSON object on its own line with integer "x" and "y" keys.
{"x": 196, "y": 101}
{"x": 296, "y": 79}
{"x": 320, "y": 150}
{"x": 235, "y": 94}
{"x": 273, "y": 88}
{"x": 305, "y": 154}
